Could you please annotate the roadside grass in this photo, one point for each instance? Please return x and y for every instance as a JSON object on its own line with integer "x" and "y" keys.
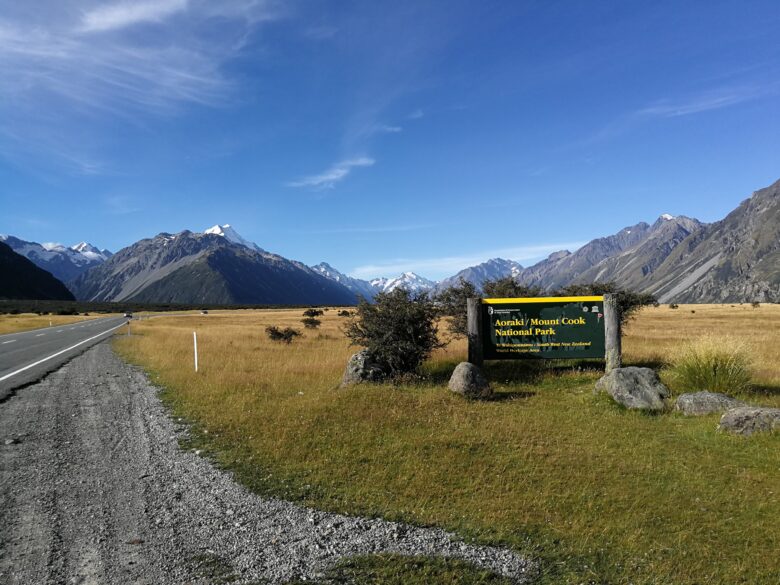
{"x": 597, "y": 493}
{"x": 28, "y": 321}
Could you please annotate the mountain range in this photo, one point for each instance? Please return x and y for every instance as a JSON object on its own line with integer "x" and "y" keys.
{"x": 22, "y": 279}
{"x": 63, "y": 262}
{"x": 676, "y": 258}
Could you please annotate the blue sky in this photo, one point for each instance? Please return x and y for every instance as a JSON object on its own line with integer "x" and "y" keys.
{"x": 382, "y": 136}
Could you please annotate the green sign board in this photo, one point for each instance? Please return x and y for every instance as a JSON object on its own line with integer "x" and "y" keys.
{"x": 543, "y": 328}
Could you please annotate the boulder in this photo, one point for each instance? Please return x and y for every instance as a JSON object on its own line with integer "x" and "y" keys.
{"x": 701, "y": 403}
{"x": 469, "y": 381}
{"x": 361, "y": 367}
{"x": 634, "y": 388}
{"x": 746, "y": 420}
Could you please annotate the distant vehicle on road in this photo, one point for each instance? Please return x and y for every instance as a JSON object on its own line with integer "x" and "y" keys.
{"x": 204, "y": 312}
{"x": 129, "y": 315}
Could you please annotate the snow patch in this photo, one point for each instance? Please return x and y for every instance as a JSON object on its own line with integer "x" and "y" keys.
{"x": 231, "y": 235}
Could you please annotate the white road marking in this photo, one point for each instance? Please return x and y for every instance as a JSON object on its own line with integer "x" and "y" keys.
{"x": 59, "y": 330}
{"x": 54, "y": 355}
{"x": 9, "y": 341}
{"x": 40, "y": 335}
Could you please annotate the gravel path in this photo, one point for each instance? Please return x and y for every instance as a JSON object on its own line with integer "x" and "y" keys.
{"x": 94, "y": 489}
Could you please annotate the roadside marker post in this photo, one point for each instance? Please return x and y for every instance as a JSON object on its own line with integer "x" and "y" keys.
{"x": 195, "y": 344}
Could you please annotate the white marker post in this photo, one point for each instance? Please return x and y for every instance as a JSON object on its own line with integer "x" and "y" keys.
{"x": 195, "y": 343}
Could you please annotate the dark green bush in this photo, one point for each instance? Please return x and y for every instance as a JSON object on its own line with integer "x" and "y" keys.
{"x": 508, "y": 287}
{"x": 398, "y": 329}
{"x": 452, "y": 303}
{"x": 311, "y": 313}
{"x": 285, "y": 335}
{"x": 311, "y": 322}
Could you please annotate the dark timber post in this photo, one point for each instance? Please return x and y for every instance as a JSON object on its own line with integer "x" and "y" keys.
{"x": 474, "y": 328}
{"x": 613, "y": 355}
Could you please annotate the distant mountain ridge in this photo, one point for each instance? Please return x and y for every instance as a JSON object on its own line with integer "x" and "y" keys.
{"x": 208, "y": 268}
{"x": 676, "y": 258}
{"x": 63, "y": 262}
{"x": 20, "y": 278}
{"x": 477, "y": 275}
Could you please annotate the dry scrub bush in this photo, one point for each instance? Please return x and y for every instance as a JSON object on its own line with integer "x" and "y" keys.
{"x": 714, "y": 363}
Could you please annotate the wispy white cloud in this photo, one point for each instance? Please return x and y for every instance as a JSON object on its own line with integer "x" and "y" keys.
{"x": 711, "y": 100}
{"x": 448, "y": 265}
{"x": 120, "y": 205}
{"x": 416, "y": 114}
{"x": 123, "y": 14}
{"x": 78, "y": 59}
{"x": 389, "y": 129}
{"x": 336, "y": 173}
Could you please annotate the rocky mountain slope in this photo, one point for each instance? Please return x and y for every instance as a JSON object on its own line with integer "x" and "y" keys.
{"x": 359, "y": 287}
{"x": 20, "y": 278}
{"x": 63, "y": 262}
{"x": 208, "y": 268}
{"x": 476, "y": 275}
{"x": 633, "y": 268}
{"x": 562, "y": 268}
{"x": 733, "y": 260}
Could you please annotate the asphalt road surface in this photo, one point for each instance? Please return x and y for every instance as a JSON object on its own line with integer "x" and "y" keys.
{"x": 94, "y": 489}
{"x": 27, "y": 356}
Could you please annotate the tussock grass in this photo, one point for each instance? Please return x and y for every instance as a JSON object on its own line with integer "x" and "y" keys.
{"x": 712, "y": 362}
{"x": 599, "y": 494}
{"x": 28, "y": 321}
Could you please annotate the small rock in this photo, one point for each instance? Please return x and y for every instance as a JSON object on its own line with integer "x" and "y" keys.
{"x": 361, "y": 367}
{"x": 12, "y": 441}
{"x": 701, "y": 403}
{"x": 635, "y": 388}
{"x": 746, "y": 420}
{"x": 469, "y": 381}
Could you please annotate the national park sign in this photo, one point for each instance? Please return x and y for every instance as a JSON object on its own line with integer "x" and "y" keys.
{"x": 543, "y": 328}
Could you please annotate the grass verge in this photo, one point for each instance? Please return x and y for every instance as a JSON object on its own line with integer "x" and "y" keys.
{"x": 597, "y": 493}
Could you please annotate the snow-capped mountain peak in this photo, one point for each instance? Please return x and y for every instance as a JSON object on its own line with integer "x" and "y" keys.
{"x": 91, "y": 252}
{"x": 230, "y": 234}
{"x": 63, "y": 262}
{"x": 408, "y": 280}
{"x": 667, "y": 217}
{"x": 359, "y": 287}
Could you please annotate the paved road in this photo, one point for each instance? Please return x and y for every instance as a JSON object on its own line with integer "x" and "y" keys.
{"x": 26, "y": 356}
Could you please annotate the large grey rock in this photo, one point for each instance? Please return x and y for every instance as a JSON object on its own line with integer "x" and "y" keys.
{"x": 701, "y": 403}
{"x": 469, "y": 381}
{"x": 361, "y": 367}
{"x": 634, "y": 388}
{"x": 746, "y": 420}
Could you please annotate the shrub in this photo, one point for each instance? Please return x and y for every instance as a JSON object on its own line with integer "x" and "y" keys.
{"x": 344, "y": 313}
{"x": 310, "y": 322}
{"x": 714, "y": 363}
{"x": 452, "y": 303}
{"x": 286, "y": 335}
{"x": 398, "y": 329}
{"x": 755, "y": 304}
{"x": 508, "y": 287}
{"x": 673, "y": 305}
{"x": 311, "y": 313}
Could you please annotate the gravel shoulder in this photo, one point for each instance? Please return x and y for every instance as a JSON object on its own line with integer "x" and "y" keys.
{"x": 94, "y": 489}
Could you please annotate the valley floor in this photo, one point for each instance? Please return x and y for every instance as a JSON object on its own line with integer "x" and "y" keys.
{"x": 95, "y": 489}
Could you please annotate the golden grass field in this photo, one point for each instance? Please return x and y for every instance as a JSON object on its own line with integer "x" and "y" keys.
{"x": 599, "y": 494}
{"x": 28, "y": 321}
